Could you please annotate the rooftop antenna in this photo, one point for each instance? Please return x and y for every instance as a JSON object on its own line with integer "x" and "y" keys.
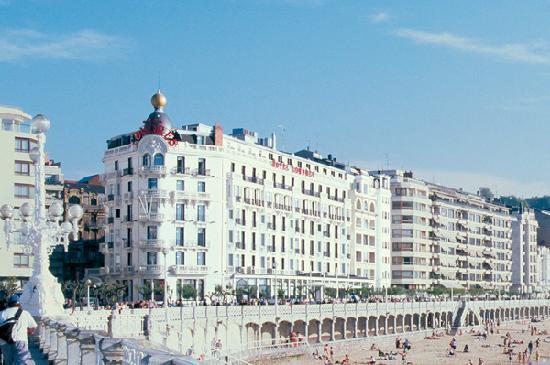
{"x": 387, "y": 160}
{"x": 159, "y": 80}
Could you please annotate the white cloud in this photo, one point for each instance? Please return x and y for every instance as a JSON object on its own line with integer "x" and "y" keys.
{"x": 380, "y": 17}
{"x": 19, "y": 44}
{"x": 532, "y": 53}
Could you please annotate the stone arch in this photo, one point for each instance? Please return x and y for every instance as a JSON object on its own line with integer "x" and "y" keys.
{"x": 285, "y": 328}
{"x": 313, "y": 331}
{"x": 351, "y": 323}
{"x": 372, "y": 209}
{"x": 339, "y": 328}
{"x": 391, "y": 325}
{"x": 416, "y": 322}
{"x": 381, "y": 325}
{"x": 362, "y": 323}
{"x": 267, "y": 334}
{"x": 299, "y": 327}
{"x": 408, "y": 321}
{"x": 399, "y": 327}
{"x": 252, "y": 335}
{"x": 371, "y": 326}
{"x": 326, "y": 329}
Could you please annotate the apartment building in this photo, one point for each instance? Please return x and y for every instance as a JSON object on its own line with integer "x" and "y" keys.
{"x": 543, "y": 269}
{"x": 17, "y": 183}
{"x": 83, "y": 253}
{"x": 193, "y": 205}
{"x": 447, "y": 237}
{"x": 524, "y": 250}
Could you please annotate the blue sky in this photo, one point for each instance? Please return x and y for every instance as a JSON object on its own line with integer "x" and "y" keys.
{"x": 457, "y": 91}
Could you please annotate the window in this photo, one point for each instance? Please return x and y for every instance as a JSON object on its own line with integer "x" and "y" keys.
{"x": 180, "y": 258}
{"x": 201, "y": 213}
{"x": 116, "y": 165}
{"x": 180, "y": 167}
{"x": 201, "y": 258}
{"x": 146, "y": 160}
{"x": 201, "y": 170}
{"x": 201, "y": 186}
{"x": 22, "y": 168}
{"x": 180, "y": 212}
{"x": 201, "y": 237}
{"x": 179, "y": 236}
{"x": 158, "y": 160}
{"x": 152, "y": 183}
{"x": 20, "y": 260}
{"x": 129, "y": 187}
{"x": 200, "y": 139}
{"x": 152, "y": 258}
{"x": 23, "y": 190}
{"x": 22, "y": 145}
{"x": 152, "y": 232}
{"x": 180, "y": 186}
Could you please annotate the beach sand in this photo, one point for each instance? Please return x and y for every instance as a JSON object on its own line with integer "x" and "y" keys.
{"x": 428, "y": 351}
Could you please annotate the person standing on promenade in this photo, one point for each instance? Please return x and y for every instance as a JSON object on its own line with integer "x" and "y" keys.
{"x": 17, "y": 353}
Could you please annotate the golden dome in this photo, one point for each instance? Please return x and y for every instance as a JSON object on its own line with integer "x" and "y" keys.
{"x": 158, "y": 100}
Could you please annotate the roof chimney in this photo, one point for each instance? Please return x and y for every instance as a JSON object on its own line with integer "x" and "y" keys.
{"x": 218, "y": 134}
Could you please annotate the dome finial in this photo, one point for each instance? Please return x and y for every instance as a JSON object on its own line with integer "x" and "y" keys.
{"x": 158, "y": 100}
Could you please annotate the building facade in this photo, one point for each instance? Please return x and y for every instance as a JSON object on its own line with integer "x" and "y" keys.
{"x": 83, "y": 253}
{"x": 524, "y": 251}
{"x": 17, "y": 183}
{"x": 193, "y": 205}
{"x": 447, "y": 237}
{"x": 543, "y": 269}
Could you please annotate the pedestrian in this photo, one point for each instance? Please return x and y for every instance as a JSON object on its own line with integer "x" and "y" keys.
{"x": 530, "y": 347}
{"x": 17, "y": 353}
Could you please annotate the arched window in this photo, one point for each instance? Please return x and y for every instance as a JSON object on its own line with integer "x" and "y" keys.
{"x": 158, "y": 159}
{"x": 146, "y": 160}
{"x": 359, "y": 204}
{"x": 371, "y": 208}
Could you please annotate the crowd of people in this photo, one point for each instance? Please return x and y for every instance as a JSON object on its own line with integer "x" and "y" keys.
{"x": 234, "y": 301}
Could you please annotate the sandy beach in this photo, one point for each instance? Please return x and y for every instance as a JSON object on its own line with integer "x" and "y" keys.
{"x": 435, "y": 351}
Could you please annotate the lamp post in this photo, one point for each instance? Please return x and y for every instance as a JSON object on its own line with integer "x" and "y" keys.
{"x": 274, "y": 266}
{"x": 39, "y": 234}
{"x": 88, "y": 284}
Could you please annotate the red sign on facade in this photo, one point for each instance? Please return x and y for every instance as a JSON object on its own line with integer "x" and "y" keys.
{"x": 294, "y": 169}
{"x": 154, "y": 127}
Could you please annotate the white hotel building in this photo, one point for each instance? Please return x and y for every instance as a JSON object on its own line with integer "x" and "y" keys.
{"x": 196, "y": 206}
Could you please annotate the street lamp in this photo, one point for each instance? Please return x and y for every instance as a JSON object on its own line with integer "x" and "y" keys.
{"x": 274, "y": 267}
{"x": 88, "y": 284}
{"x": 42, "y": 293}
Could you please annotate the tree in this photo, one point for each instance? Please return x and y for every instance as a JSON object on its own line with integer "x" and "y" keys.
{"x": 8, "y": 287}
{"x": 486, "y": 193}
{"x": 188, "y": 291}
{"x": 73, "y": 289}
{"x": 112, "y": 291}
{"x": 281, "y": 294}
{"x": 330, "y": 292}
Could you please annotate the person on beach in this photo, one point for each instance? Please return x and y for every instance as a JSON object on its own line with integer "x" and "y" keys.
{"x": 530, "y": 347}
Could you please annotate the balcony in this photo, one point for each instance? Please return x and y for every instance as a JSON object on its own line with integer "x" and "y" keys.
{"x": 282, "y": 186}
{"x": 154, "y": 193}
{"x": 194, "y": 246}
{"x": 128, "y": 171}
{"x": 200, "y": 172}
{"x": 153, "y": 171}
{"x": 185, "y": 269}
{"x": 151, "y": 217}
{"x": 151, "y": 269}
{"x": 254, "y": 179}
{"x": 185, "y": 195}
{"x": 95, "y": 271}
{"x": 113, "y": 174}
{"x": 311, "y": 193}
{"x": 152, "y": 243}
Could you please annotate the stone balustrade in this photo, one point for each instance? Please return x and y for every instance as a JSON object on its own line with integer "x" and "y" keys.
{"x": 64, "y": 344}
{"x": 242, "y": 328}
